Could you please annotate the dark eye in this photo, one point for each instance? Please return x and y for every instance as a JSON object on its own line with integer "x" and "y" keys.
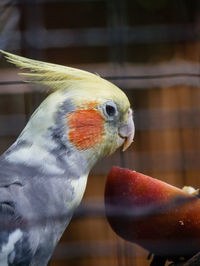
{"x": 110, "y": 110}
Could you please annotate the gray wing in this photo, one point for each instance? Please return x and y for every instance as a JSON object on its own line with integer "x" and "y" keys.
{"x": 14, "y": 247}
{"x": 34, "y": 225}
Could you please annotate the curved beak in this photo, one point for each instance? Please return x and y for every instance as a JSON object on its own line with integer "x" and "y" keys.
{"x": 127, "y": 131}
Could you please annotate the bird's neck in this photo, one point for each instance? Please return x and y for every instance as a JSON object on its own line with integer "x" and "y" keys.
{"x": 44, "y": 143}
{"x": 50, "y": 156}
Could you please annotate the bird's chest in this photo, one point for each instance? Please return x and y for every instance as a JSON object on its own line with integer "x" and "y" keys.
{"x": 58, "y": 201}
{"x": 78, "y": 186}
{"x": 61, "y": 209}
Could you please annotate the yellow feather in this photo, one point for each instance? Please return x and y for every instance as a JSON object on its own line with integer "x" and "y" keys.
{"x": 81, "y": 83}
{"x": 52, "y": 75}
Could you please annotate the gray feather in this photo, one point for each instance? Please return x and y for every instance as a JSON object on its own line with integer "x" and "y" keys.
{"x": 35, "y": 201}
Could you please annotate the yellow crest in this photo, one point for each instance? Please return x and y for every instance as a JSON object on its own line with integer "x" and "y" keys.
{"x": 52, "y": 75}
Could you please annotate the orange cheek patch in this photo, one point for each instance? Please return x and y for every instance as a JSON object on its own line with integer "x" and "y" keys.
{"x": 85, "y": 128}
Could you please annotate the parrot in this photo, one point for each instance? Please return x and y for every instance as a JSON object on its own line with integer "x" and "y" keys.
{"x": 43, "y": 174}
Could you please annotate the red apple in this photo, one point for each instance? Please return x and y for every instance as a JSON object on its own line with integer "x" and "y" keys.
{"x": 160, "y": 217}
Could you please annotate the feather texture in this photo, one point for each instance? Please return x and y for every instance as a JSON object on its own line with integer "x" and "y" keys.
{"x": 51, "y": 75}
{"x": 81, "y": 83}
{"x": 44, "y": 173}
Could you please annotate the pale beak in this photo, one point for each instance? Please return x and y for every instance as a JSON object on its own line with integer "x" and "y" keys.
{"x": 127, "y": 131}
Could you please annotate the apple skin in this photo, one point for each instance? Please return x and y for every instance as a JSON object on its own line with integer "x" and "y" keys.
{"x": 172, "y": 230}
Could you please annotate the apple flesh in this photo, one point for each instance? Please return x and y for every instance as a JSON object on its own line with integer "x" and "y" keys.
{"x": 160, "y": 217}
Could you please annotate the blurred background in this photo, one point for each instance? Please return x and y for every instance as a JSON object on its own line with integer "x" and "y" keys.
{"x": 151, "y": 49}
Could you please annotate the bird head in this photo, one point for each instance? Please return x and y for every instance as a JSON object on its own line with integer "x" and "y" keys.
{"x": 85, "y": 112}
{"x": 102, "y": 119}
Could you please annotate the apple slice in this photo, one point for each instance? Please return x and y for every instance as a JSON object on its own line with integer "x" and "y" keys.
{"x": 160, "y": 217}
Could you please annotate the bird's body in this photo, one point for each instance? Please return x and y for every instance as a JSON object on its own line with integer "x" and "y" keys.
{"x": 27, "y": 185}
{"x": 43, "y": 175}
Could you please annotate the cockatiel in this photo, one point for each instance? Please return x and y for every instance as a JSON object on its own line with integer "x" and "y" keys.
{"x": 43, "y": 174}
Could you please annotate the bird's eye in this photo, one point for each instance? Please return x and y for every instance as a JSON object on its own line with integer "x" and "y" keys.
{"x": 110, "y": 110}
